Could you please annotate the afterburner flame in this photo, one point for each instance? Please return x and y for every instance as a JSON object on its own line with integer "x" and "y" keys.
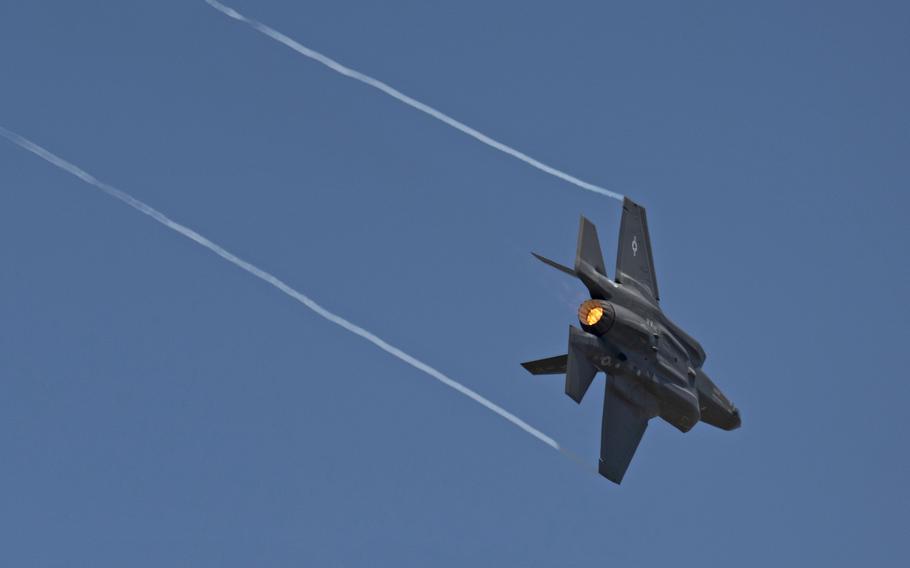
{"x": 590, "y": 312}
{"x": 594, "y": 316}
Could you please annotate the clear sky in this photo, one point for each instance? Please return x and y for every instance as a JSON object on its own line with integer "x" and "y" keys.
{"x": 160, "y": 407}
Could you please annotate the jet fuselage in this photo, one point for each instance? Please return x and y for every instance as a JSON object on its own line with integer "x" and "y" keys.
{"x": 653, "y": 367}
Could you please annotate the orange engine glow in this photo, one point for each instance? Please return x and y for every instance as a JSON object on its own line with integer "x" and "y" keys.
{"x": 590, "y": 312}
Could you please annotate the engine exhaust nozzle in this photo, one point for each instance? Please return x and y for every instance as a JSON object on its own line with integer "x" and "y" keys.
{"x": 596, "y": 316}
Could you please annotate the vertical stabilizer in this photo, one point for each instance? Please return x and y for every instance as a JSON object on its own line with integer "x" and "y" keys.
{"x": 579, "y": 369}
{"x": 588, "y": 250}
{"x": 634, "y": 262}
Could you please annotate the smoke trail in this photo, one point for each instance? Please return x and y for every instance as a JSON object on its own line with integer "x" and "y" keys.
{"x": 274, "y": 281}
{"x": 396, "y": 94}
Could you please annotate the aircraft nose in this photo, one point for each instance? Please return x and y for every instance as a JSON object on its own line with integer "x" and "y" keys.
{"x": 735, "y": 420}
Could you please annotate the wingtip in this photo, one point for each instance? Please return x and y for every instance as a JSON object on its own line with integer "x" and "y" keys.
{"x": 554, "y": 264}
{"x": 540, "y": 257}
{"x": 582, "y": 221}
{"x": 629, "y": 203}
{"x": 610, "y": 473}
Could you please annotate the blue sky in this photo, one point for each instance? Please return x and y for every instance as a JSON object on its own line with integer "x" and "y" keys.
{"x": 158, "y": 406}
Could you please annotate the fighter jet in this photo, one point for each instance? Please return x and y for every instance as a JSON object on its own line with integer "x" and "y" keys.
{"x": 653, "y": 367}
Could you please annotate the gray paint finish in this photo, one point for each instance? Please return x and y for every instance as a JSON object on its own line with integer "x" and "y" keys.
{"x": 653, "y": 367}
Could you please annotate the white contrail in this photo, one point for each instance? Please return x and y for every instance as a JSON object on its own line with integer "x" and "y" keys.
{"x": 274, "y": 281}
{"x": 395, "y": 93}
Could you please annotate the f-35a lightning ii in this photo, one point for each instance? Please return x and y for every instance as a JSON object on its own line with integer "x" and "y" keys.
{"x": 653, "y": 367}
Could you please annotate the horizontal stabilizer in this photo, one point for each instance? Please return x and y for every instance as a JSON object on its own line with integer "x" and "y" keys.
{"x": 554, "y": 264}
{"x": 549, "y": 366}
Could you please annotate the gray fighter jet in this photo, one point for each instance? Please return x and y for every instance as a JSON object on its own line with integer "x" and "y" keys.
{"x": 653, "y": 367}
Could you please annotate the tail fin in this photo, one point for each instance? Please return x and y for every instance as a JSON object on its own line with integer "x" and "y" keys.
{"x": 579, "y": 369}
{"x": 575, "y": 364}
{"x": 588, "y": 250}
{"x": 634, "y": 262}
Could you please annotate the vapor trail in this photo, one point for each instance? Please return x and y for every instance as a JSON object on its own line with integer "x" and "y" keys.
{"x": 396, "y": 94}
{"x": 274, "y": 281}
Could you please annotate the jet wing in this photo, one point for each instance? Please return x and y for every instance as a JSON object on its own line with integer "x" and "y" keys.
{"x": 634, "y": 263}
{"x": 624, "y": 423}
